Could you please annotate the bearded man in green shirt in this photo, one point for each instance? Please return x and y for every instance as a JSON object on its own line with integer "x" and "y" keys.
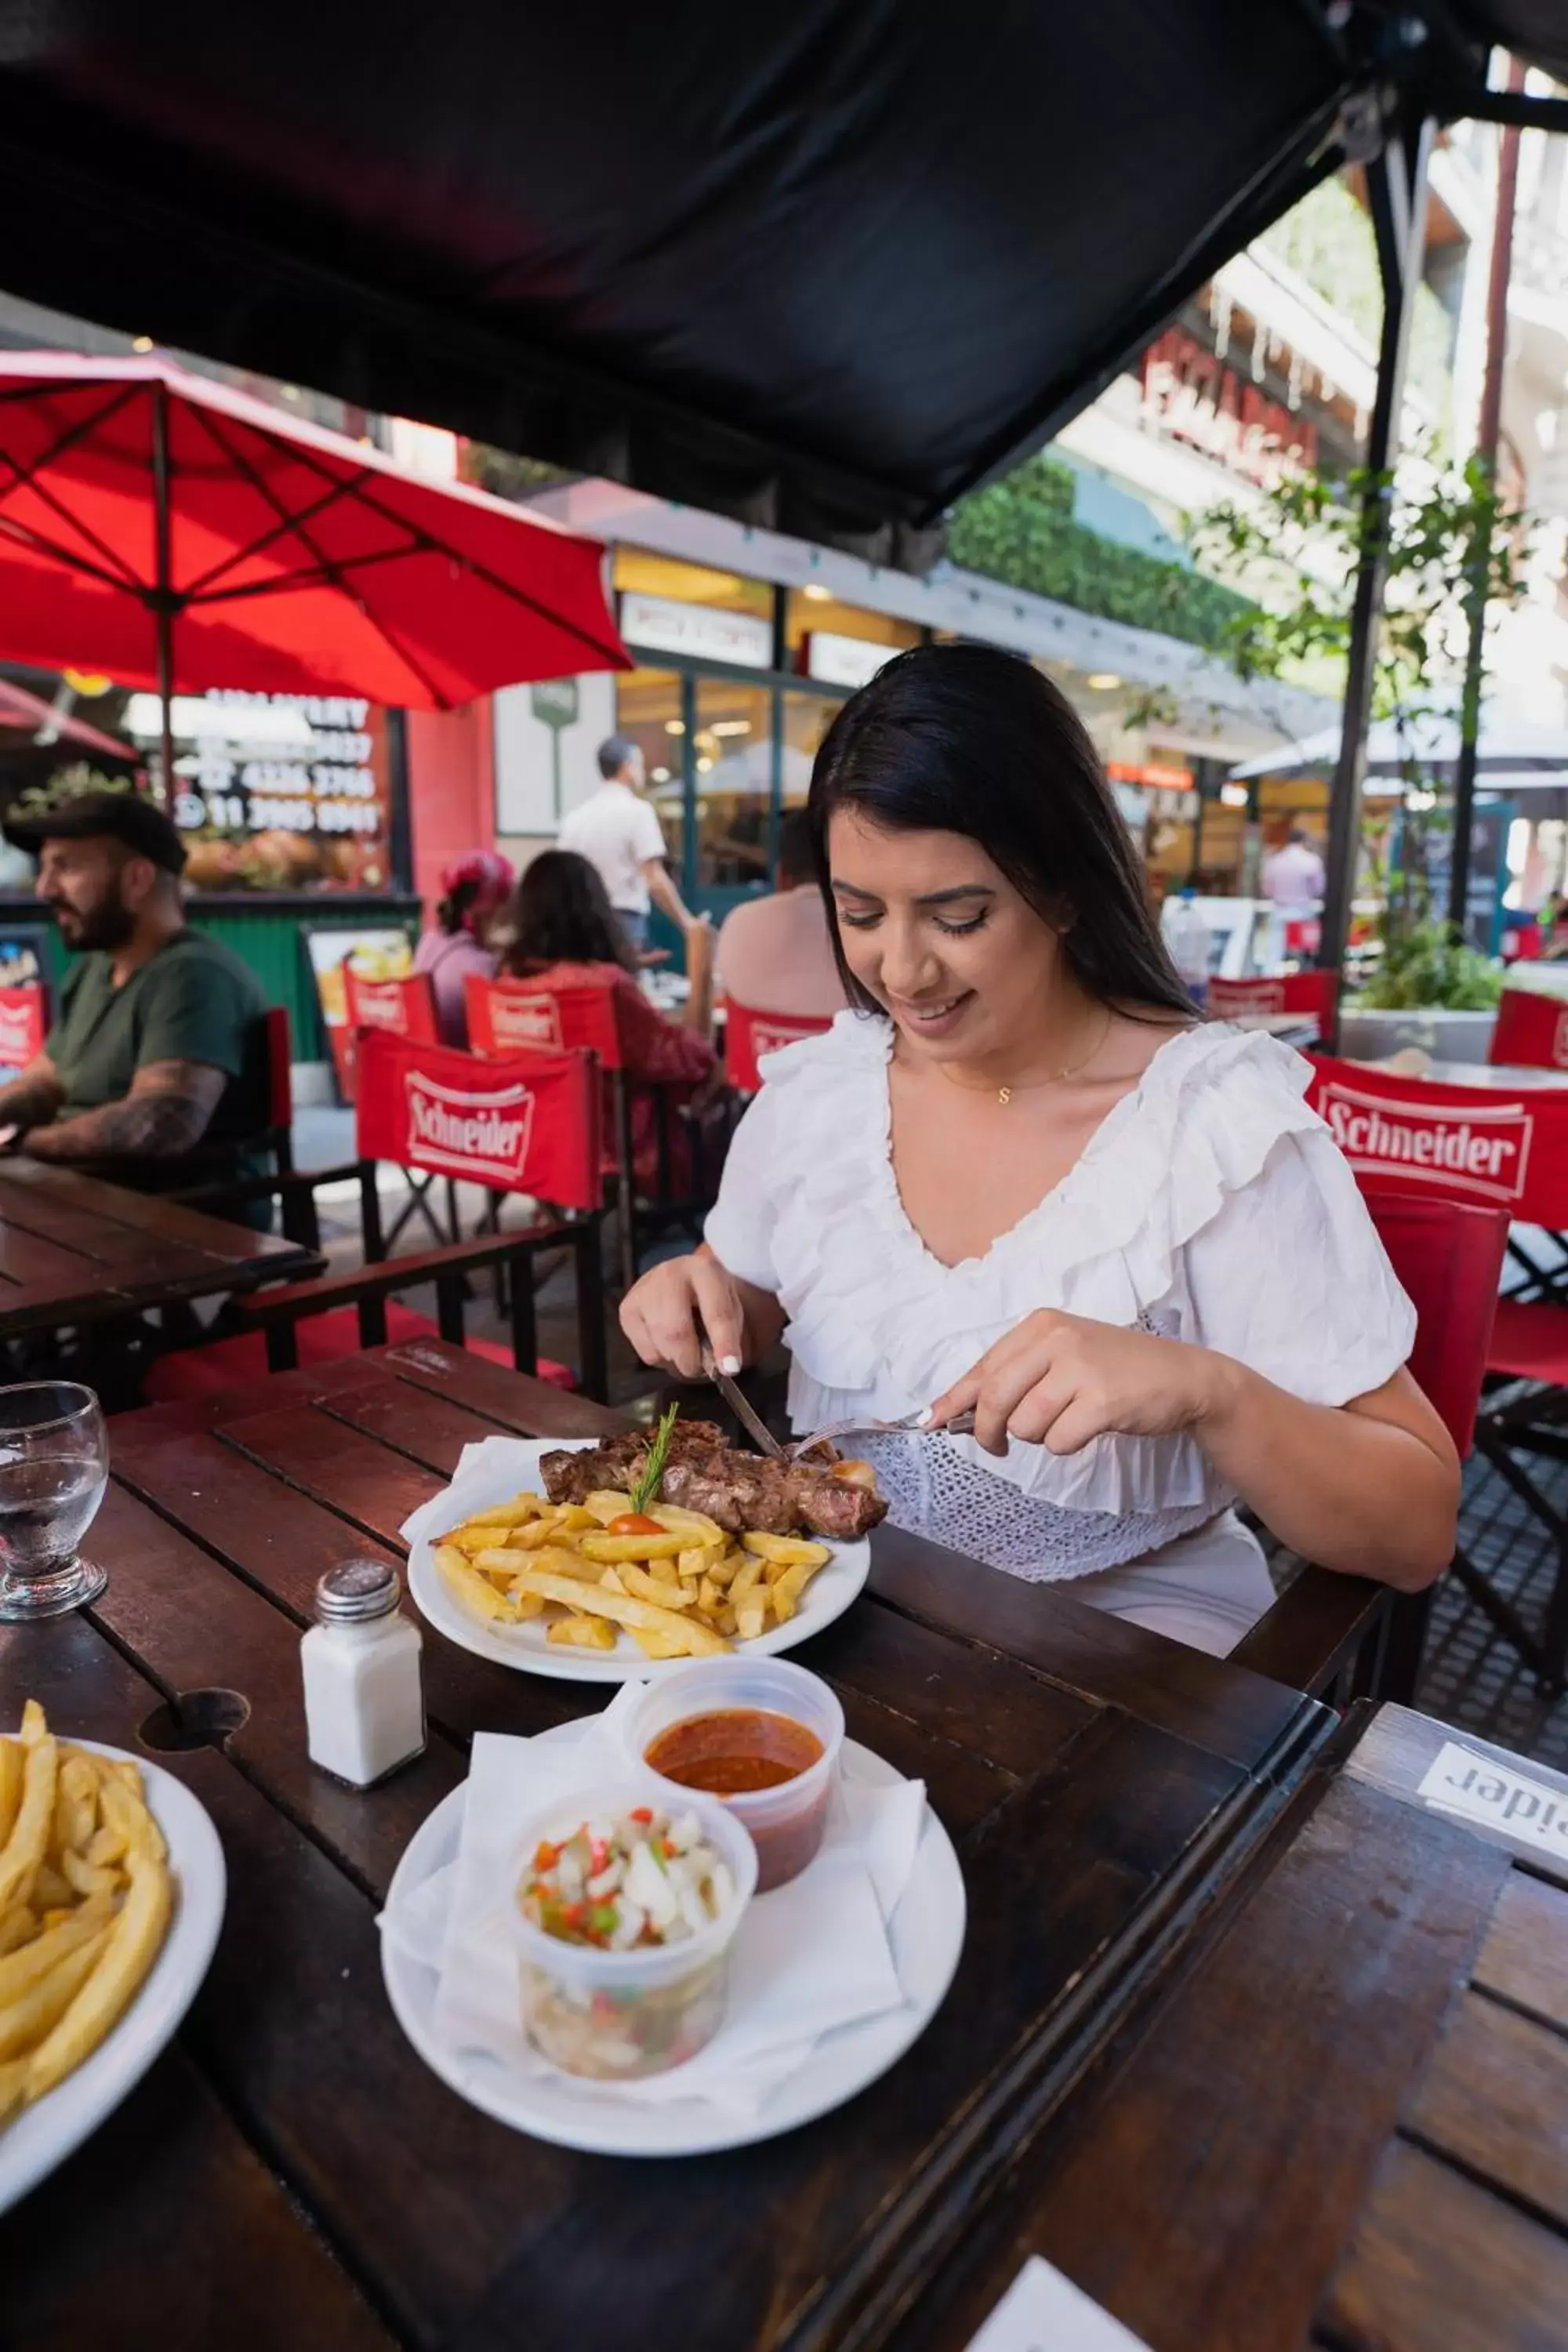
{"x": 156, "y": 1049}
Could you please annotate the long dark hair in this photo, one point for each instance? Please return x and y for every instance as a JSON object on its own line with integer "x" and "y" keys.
{"x": 559, "y": 913}
{"x": 451, "y": 909}
{"x": 970, "y": 740}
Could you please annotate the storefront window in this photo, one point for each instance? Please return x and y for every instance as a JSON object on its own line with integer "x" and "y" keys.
{"x": 648, "y": 709}
{"x": 806, "y": 719}
{"x": 733, "y": 767}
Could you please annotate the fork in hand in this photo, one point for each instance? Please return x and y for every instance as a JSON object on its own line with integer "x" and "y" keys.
{"x": 913, "y": 1424}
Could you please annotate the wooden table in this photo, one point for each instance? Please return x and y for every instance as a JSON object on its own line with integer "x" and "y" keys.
{"x": 75, "y": 1250}
{"x": 291, "y": 2173}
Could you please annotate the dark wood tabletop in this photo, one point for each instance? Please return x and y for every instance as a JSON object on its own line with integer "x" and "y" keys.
{"x": 1343, "y": 2122}
{"x": 1097, "y": 1781}
{"x": 1130, "y": 1818}
{"x": 75, "y": 1250}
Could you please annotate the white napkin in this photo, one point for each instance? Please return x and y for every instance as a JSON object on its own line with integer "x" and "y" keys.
{"x": 808, "y": 1958}
{"x": 489, "y": 1470}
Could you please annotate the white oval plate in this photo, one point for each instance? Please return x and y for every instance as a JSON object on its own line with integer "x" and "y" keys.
{"x": 926, "y": 1934}
{"x": 44, "y": 2136}
{"x": 827, "y": 1596}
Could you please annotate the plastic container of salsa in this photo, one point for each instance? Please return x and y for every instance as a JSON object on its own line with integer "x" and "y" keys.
{"x": 619, "y": 2015}
{"x": 761, "y": 1735}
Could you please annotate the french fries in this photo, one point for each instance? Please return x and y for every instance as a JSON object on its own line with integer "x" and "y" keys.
{"x": 584, "y": 1632}
{"x": 687, "y": 1591}
{"x": 86, "y": 1896}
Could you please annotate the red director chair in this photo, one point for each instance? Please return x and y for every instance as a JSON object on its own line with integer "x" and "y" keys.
{"x": 1508, "y": 1153}
{"x": 405, "y": 1007}
{"x": 748, "y": 1035}
{"x": 529, "y": 1124}
{"x": 1532, "y": 1033}
{"x": 1315, "y": 995}
{"x": 23, "y": 1023}
{"x": 510, "y": 1015}
{"x": 1447, "y": 1256}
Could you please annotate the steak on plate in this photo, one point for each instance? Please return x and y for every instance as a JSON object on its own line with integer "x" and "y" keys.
{"x": 740, "y": 1490}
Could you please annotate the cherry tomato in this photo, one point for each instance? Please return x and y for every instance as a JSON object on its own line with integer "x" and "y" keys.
{"x": 634, "y": 1523}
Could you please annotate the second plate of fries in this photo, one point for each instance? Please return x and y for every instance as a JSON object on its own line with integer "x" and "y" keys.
{"x": 111, "y": 1894}
{"x": 549, "y": 1588}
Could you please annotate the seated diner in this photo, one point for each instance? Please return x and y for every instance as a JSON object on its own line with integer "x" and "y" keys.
{"x": 474, "y": 891}
{"x": 1018, "y": 1178}
{"x": 774, "y": 953}
{"x": 153, "y": 1055}
{"x": 561, "y": 929}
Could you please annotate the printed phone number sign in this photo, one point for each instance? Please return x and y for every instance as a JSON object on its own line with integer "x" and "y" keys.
{"x": 332, "y": 783}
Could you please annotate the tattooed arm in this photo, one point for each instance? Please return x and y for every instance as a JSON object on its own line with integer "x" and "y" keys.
{"x": 32, "y": 1096}
{"x": 168, "y": 1110}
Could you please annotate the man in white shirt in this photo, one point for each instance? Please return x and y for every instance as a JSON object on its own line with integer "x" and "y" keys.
{"x": 618, "y": 831}
{"x": 1293, "y": 876}
{"x": 775, "y": 954}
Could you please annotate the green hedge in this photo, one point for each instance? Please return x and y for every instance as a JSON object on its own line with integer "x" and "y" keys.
{"x": 1022, "y": 530}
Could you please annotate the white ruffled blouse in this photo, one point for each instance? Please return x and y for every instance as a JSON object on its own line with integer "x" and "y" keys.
{"x": 1211, "y": 1205}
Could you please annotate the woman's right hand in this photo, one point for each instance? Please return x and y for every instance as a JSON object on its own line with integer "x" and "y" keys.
{"x": 669, "y": 1313}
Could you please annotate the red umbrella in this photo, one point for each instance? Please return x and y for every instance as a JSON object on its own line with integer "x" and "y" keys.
{"x": 172, "y": 532}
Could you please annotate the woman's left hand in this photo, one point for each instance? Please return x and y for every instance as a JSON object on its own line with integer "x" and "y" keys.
{"x": 1059, "y": 1381}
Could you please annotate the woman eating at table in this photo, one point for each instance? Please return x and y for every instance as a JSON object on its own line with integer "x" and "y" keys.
{"x": 561, "y": 929}
{"x": 1020, "y": 1177}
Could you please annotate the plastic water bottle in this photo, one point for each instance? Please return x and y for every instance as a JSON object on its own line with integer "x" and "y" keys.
{"x": 1187, "y": 937}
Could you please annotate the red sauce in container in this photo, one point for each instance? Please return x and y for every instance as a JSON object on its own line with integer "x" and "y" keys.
{"x": 742, "y": 1752}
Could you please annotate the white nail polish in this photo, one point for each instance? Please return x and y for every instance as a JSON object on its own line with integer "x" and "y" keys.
{"x": 927, "y": 1417}
{"x": 729, "y": 1366}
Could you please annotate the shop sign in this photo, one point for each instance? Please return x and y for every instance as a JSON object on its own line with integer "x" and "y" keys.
{"x": 1192, "y": 396}
{"x": 845, "y": 661}
{"x": 555, "y": 702}
{"x": 699, "y": 631}
{"x": 321, "y": 794}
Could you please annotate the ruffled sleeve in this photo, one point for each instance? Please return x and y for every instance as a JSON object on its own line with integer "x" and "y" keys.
{"x": 1290, "y": 1279}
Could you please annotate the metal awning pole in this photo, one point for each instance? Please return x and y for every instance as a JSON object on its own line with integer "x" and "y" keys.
{"x": 1396, "y": 188}
{"x": 162, "y": 592}
{"x": 1489, "y": 430}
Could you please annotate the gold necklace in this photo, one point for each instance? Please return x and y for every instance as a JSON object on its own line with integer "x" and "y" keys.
{"x": 1054, "y": 1077}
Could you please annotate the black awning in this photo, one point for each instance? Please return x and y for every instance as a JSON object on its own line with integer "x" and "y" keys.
{"x": 823, "y": 264}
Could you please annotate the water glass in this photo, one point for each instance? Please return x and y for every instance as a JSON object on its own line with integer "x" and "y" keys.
{"x": 54, "y": 1467}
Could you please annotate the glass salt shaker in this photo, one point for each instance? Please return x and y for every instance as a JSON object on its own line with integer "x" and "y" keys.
{"x": 364, "y": 1707}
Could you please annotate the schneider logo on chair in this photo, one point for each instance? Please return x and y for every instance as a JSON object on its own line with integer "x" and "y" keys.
{"x": 1482, "y": 1152}
{"x": 478, "y": 1135}
{"x": 379, "y": 1004}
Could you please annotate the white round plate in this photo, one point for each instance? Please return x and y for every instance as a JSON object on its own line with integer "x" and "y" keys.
{"x": 44, "y": 2136}
{"x": 827, "y": 1596}
{"x": 926, "y": 1934}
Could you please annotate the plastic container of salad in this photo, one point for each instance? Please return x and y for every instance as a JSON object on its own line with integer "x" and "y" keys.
{"x": 761, "y": 1735}
{"x": 593, "y": 2002}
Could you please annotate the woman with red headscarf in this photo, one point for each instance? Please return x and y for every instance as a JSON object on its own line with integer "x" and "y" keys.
{"x": 475, "y": 889}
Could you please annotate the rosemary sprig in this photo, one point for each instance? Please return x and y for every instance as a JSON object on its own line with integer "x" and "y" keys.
{"x": 645, "y": 1490}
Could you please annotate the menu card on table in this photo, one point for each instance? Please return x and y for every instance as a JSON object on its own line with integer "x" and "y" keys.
{"x": 1044, "y": 2312}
